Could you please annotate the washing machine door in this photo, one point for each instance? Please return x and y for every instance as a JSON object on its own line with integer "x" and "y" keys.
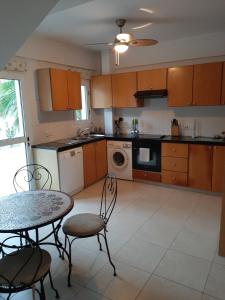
{"x": 119, "y": 158}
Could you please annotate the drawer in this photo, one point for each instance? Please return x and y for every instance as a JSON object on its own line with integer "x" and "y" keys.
{"x": 146, "y": 175}
{"x": 176, "y": 178}
{"x": 177, "y": 164}
{"x": 175, "y": 150}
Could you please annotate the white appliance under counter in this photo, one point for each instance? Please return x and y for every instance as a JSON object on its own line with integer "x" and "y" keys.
{"x": 66, "y": 168}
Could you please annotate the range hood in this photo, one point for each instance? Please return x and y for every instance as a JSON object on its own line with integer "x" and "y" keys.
{"x": 150, "y": 94}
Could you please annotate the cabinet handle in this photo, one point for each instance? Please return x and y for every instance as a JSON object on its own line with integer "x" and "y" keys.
{"x": 145, "y": 175}
{"x": 173, "y": 178}
{"x": 173, "y": 149}
{"x": 151, "y": 88}
{"x": 174, "y": 164}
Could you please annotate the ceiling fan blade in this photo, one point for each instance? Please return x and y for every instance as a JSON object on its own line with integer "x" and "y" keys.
{"x": 142, "y": 42}
{"x": 142, "y": 26}
{"x": 95, "y": 44}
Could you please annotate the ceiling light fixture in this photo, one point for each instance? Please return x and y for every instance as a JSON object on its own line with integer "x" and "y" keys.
{"x": 124, "y": 37}
{"x": 121, "y": 47}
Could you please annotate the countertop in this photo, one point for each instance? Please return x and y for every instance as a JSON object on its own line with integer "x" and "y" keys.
{"x": 67, "y": 144}
{"x": 168, "y": 138}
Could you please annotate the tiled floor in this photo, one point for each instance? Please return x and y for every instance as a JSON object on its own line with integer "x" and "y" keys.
{"x": 163, "y": 242}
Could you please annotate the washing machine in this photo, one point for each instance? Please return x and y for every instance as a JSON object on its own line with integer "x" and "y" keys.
{"x": 120, "y": 159}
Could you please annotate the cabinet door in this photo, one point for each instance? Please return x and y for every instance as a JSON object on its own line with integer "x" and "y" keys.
{"x": 89, "y": 164}
{"x": 74, "y": 90}
{"x": 223, "y": 86}
{"x": 124, "y": 86}
{"x": 200, "y": 167}
{"x": 101, "y": 159}
{"x": 174, "y": 150}
{"x": 180, "y": 85}
{"x": 59, "y": 92}
{"x": 207, "y": 84}
{"x": 101, "y": 91}
{"x": 218, "y": 177}
{"x": 152, "y": 79}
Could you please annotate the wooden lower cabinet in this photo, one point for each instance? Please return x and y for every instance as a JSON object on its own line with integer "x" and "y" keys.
{"x": 174, "y": 162}
{"x": 89, "y": 164}
{"x": 177, "y": 164}
{"x": 172, "y": 177}
{"x": 200, "y": 167}
{"x": 146, "y": 175}
{"x": 101, "y": 159}
{"x": 95, "y": 161}
{"x": 218, "y": 172}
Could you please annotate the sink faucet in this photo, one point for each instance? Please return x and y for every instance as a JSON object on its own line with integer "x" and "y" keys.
{"x": 83, "y": 132}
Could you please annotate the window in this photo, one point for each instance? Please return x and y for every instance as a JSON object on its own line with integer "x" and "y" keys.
{"x": 82, "y": 114}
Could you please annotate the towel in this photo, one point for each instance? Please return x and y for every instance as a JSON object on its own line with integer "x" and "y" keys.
{"x": 144, "y": 154}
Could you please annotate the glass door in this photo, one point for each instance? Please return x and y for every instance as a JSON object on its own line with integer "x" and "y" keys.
{"x": 13, "y": 140}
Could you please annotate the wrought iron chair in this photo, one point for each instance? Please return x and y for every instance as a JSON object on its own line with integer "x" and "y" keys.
{"x": 34, "y": 175}
{"x": 88, "y": 225}
{"x": 24, "y": 265}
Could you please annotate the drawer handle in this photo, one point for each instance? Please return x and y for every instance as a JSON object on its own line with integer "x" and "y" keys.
{"x": 173, "y": 149}
{"x": 174, "y": 164}
{"x": 145, "y": 175}
{"x": 174, "y": 178}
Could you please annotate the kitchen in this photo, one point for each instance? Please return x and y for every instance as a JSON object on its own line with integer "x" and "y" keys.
{"x": 154, "y": 116}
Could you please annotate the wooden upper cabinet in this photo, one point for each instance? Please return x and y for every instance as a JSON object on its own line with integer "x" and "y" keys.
{"x": 101, "y": 159}
{"x": 180, "y": 86}
{"x": 74, "y": 90}
{"x": 124, "y": 86}
{"x": 58, "y": 85}
{"x": 218, "y": 176}
{"x": 101, "y": 91}
{"x": 200, "y": 167}
{"x": 59, "y": 89}
{"x": 223, "y": 86}
{"x": 152, "y": 79}
{"x": 207, "y": 84}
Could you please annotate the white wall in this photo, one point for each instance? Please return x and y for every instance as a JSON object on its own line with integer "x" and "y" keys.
{"x": 42, "y": 53}
{"x": 45, "y": 49}
{"x": 18, "y": 19}
{"x": 155, "y": 118}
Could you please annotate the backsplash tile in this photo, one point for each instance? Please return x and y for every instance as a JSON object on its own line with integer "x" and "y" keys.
{"x": 155, "y": 118}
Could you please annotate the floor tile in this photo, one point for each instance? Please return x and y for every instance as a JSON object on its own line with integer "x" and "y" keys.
{"x": 141, "y": 254}
{"x": 159, "y": 232}
{"x": 163, "y": 289}
{"x": 196, "y": 244}
{"x": 86, "y": 294}
{"x": 184, "y": 269}
{"x": 125, "y": 286}
{"x": 215, "y": 285}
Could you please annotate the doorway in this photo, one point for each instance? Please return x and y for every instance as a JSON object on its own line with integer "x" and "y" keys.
{"x": 13, "y": 139}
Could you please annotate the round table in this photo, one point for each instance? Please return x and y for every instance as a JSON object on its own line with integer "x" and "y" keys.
{"x": 24, "y": 211}
{"x": 33, "y": 209}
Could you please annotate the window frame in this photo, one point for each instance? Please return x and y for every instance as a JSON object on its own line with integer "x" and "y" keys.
{"x": 86, "y": 83}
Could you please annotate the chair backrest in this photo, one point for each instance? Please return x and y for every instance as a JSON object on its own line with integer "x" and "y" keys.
{"x": 32, "y": 176}
{"x": 109, "y": 196}
{"x": 10, "y": 276}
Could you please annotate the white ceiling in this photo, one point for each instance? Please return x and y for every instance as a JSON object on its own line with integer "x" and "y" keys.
{"x": 92, "y": 21}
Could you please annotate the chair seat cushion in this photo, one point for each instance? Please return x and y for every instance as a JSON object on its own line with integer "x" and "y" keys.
{"x": 82, "y": 225}
{"x": 25, "y": 263}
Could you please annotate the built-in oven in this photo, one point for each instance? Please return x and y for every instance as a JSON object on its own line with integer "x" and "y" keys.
{"x": 147, "y": 155}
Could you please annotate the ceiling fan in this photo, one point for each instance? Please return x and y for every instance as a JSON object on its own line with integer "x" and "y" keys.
{"x": 123, "y": 40}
